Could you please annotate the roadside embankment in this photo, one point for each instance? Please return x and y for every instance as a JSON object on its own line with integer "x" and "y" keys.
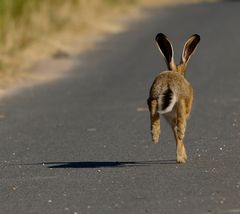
{"x": 33, "y": 30}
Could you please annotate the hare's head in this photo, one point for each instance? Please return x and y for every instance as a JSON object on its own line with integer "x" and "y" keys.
{"x": 166, "y": 48}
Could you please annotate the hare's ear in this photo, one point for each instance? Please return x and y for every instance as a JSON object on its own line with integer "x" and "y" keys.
{"x": 165, "y": 47}
{"x": 189, "y": 48}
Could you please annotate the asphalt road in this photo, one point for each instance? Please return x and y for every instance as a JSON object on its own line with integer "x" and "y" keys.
{"x": 82, "y": 144}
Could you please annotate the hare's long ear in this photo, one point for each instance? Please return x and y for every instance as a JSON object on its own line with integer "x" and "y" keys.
{"x": 165, "y": 47}
{"x": 189, "y": 48}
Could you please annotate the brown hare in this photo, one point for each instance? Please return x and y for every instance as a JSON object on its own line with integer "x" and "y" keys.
{"x": 171, "y": 94}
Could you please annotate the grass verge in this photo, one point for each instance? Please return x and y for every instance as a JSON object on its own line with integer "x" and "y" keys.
{"x": 31, "y": 30}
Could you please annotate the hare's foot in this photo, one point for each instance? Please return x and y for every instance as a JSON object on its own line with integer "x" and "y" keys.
{"x": 181, "y": 154}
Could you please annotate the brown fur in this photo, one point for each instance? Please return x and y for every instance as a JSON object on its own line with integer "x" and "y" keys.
{"x": 174, "y": 80}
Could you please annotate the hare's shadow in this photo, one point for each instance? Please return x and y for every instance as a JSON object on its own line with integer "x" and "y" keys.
{"x": 105, "y": 164}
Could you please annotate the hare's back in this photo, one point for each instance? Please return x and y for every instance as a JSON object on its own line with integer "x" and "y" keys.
{"x": 173, "y": 80}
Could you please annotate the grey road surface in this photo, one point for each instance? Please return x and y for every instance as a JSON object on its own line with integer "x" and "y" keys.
{"x": 82, "y": 144}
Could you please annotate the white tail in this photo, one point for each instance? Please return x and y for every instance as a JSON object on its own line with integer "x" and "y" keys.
{"x": 166, "y": 101}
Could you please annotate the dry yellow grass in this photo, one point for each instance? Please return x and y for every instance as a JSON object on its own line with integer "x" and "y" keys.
{"x": 42, "y": 28}
{"x": 31, "y": 30}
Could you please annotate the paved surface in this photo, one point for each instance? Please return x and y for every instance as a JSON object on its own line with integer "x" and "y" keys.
{"x": 92, "y": 134}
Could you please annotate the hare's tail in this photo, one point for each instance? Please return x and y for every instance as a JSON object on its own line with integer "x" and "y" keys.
{"x": 167, "y": 100}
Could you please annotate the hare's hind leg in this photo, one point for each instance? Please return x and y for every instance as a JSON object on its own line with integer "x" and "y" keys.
{"x": 176, "y": 120}
{"x": 155, "y": 119}
{"x": 179, "y": 131}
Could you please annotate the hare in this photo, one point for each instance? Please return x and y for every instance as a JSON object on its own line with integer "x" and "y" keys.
{"x": 171, "y": 94}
